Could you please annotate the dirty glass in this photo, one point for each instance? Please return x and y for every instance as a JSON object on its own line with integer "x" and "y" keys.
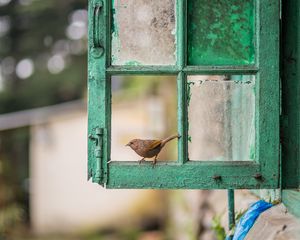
{"x": 221, "y": 32}
{"x": 143, "y": 107}
{"x": 143, "y": 32}
{"x": 221, "y": 115}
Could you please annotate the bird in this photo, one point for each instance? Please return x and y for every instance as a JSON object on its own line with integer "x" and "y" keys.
{"x": 149, "y": 148}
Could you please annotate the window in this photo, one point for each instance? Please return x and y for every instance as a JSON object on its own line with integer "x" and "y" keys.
{"x": 222, "y": 57}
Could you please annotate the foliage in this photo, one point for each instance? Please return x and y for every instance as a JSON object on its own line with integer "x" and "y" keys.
{"x": 51, "y": 36}
{"x": 218, "y": 228}
{"x": 42, "y": 62}
{"x": 10, "y": 216}
{"x": 239, "y": 214}
{"x": 13, "y": 180}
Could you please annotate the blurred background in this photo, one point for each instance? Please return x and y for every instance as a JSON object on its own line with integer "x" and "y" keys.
{"x": 44, "y": 193}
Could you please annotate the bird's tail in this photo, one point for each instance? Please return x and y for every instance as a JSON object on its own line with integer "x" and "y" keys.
{"x": 163, "y": 142}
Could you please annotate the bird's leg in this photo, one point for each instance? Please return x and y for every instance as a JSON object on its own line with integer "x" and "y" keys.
{"x": 154, "y": 161}
{"x": 143, "y": 159}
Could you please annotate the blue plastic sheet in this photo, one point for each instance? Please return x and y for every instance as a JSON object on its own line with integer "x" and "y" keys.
{"x": 248, "y": 219}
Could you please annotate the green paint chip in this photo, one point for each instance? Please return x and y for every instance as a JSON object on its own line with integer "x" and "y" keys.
{"x": 221, "y": 32}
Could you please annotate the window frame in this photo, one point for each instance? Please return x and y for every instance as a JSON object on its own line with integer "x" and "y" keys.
{"x": 290, "y": 128}
{"x": 263, "y": 172}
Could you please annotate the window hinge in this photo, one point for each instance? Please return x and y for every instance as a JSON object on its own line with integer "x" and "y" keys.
{"x": 97, "y": 138}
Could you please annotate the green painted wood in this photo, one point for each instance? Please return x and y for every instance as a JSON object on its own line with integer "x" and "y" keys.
{"x": 263, "y": 173}
{"x": 97, "y": 90}
{"x": 191, "y": 70}
{"x": 191, "y": 175}
{"x": 234, "y": 69}
{"x": 181, "y": 41}
{"x": 153, "y": 70}
{"x": 221, "y": 32}
{"x": 267, "y": 88}
{"x": 290, "y": 127}
{"x": 231, "y": 210}
{"x": 182, "y": 118}
{"x": 291, "y": 199}
{"x": 181, "y": 12}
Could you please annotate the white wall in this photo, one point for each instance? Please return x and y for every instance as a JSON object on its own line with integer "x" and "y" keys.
{"x": 61, "y": 199}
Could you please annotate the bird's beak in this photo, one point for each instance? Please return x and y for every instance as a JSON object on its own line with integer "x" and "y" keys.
{"x": 127, "y": 145}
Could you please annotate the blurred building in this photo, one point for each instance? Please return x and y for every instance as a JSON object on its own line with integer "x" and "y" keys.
{"x": 61, "y": 198}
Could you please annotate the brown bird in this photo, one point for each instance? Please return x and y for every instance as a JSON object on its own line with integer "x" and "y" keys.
{"x": 149, "y": 148}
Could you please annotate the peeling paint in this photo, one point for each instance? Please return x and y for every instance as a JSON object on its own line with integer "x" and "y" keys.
{"x": 221, "y": 32}
{"x": 197, "y": 174}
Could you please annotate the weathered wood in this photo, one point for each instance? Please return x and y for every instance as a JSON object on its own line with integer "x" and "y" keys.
{"x": 153, "y": 70}
{"x": 267, "y": 98}
{"x": 98, "y": 88}
{"x": 261, "y": 173}
{"x": 191, "y": 175}
{"x": 290, "y": 127}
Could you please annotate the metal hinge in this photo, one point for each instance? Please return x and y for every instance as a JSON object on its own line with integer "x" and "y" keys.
{"x": 97, "y": 138}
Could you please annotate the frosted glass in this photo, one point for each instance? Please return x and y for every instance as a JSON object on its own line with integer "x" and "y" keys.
{"x": 143, "y": 32}
{"x": 221, "y": 115}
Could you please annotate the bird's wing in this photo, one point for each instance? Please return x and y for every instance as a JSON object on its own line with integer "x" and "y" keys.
{"x": 154, "y": 144}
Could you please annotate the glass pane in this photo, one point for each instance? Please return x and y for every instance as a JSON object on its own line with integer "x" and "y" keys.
{"x": 143, "y": 32}
{"x": 143, "y": 107}
{"x": 221, "y": 32}
{"x": 221, "y": 115}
